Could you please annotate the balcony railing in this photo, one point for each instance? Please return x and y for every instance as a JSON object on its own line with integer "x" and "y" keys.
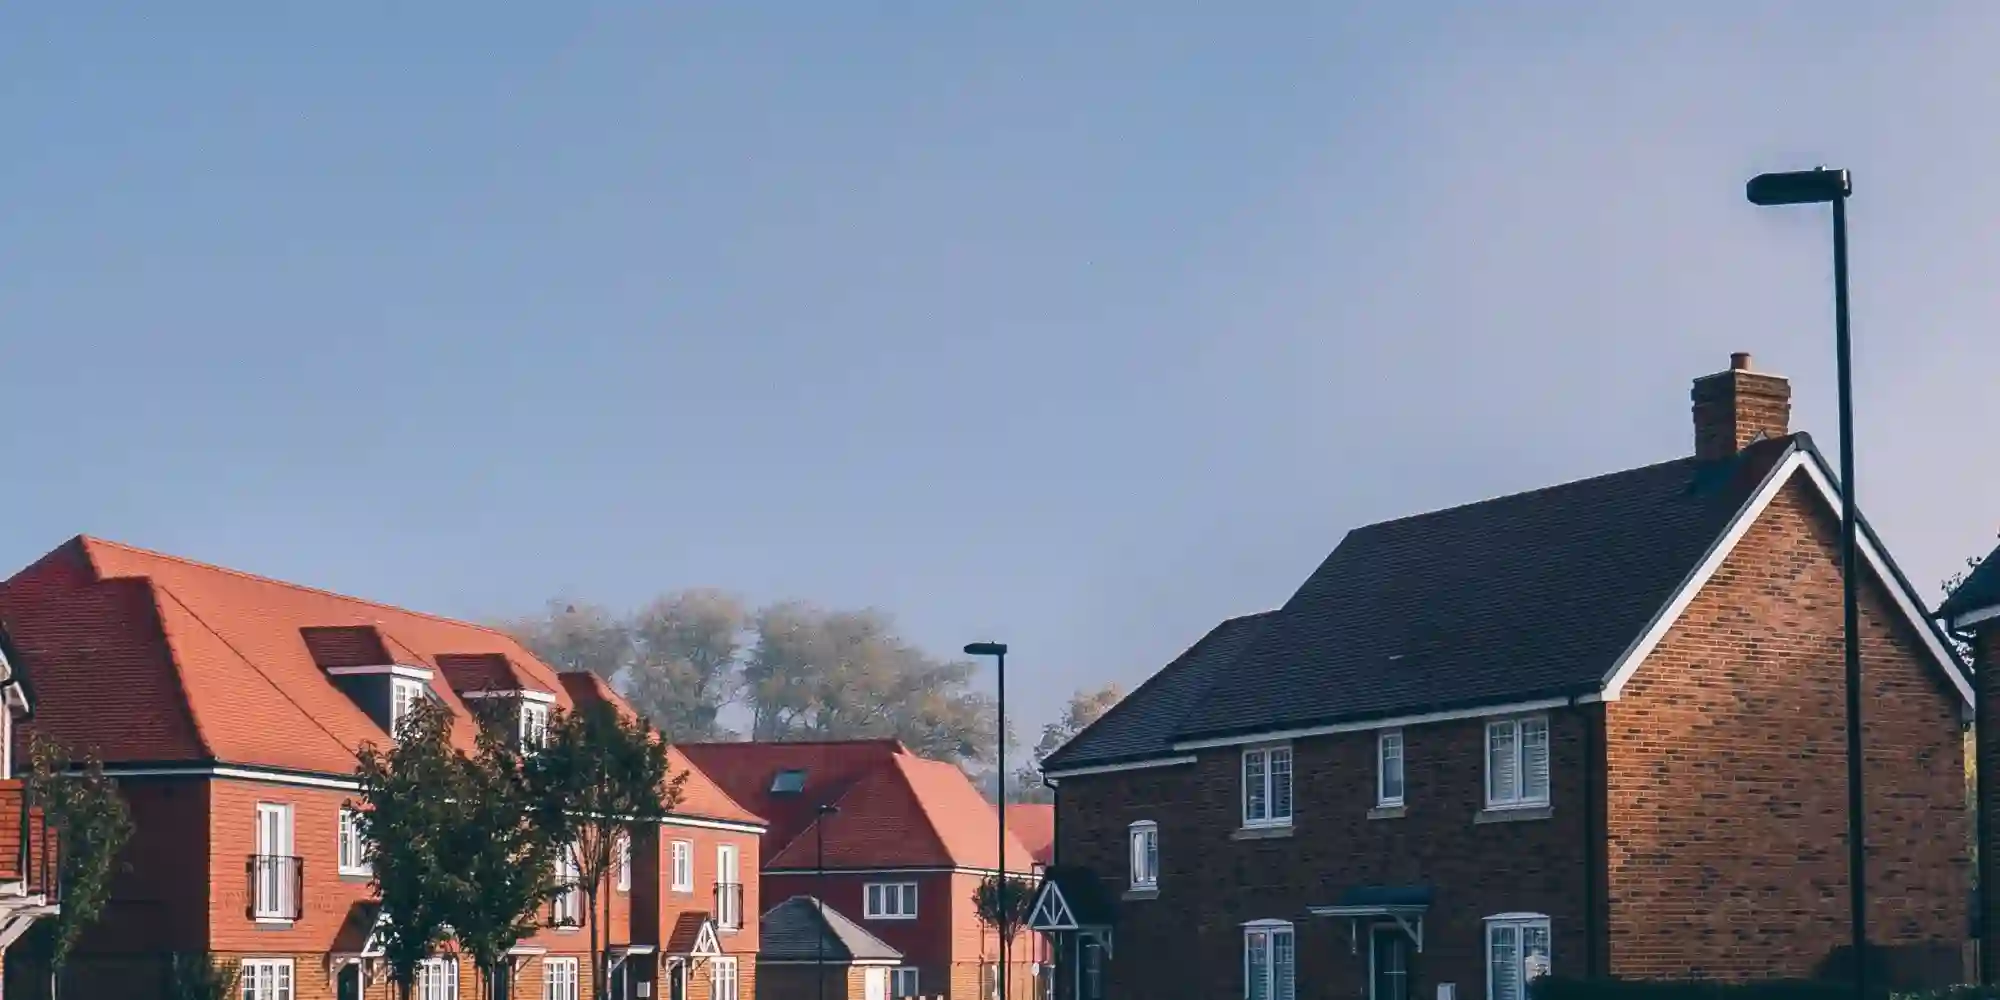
{"x": 566, "y": 909}
{"x": 277, "y": 886}
{"x": 728, "y": 905}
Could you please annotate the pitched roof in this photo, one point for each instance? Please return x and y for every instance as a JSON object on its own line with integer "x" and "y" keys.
{"x": 1034, "y": 825}
{"x": 1979, "y": 591}
{"x": 908, "y": 813}
{"x": 701, "y": 796}
{"x": 205, "y": 664}
{"x": 830, "y": 768}
{"x": 800, "y": 929}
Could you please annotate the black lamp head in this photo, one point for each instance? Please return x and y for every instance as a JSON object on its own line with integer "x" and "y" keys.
{"x": 986, "y": 649}
{"x": 1799, "y": 187}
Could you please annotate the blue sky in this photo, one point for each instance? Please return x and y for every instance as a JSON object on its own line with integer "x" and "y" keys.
{"x": 1082, "y": 328}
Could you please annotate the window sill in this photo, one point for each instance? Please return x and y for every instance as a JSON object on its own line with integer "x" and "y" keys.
{"x": 889, "y": 916}
{"x": 1513, "y": 814}
{"x": 273, "y": 923}
{"x": 682, "y": 891}
{"x": 1262, "y": 832}
{"x": 1386, "y": 812}
{"x": 1150, "y": 892}
{"x": 355, "y": 875}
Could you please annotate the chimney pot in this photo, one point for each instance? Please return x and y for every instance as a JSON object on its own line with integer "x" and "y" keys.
{"x": 1736, "y": 407}
{"x": 1740, "y": 361}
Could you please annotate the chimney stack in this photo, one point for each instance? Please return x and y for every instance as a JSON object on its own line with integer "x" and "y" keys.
{"x": 1738, "y": 406}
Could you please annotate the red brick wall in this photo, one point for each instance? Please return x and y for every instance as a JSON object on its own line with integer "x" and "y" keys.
{"x": 160, "y": 897}
{"x": 702, "y": 899}
{"x": 1727, "y": 773}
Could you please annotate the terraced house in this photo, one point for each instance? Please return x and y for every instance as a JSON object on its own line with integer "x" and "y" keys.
{"x": 230, "y": 708}
{"x": 1591, "y": 729}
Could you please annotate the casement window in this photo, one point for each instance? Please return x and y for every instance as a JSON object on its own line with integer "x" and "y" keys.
{"x": 728, "y": 889}
{"x": 353, "y": 855}
{"x": 875, "y": 984}
{"x": 903, "y": 982}
{"x": 1517, "y": 953}
{"x": 566, "y": 910}
{"x": 1145, "y": 840}
{"x": 1389, "y": 768}
{"x": 559, "y": 976}
{"x": 722, "y": 979}
{"x": 889, "y": 901}
{"x": 1269, "y": 957}
{"x": 1267, "y": 786}
{"x": 404, "y": 697}
{"x": 682, "y": 868}
{"x": 274, "y": 870}
{"x": 534, "y": 724}
{"x": 266, "y": 978}
{"x": 437, "y": 979}
{"x": 621, "y": 862}
{"x": 1517, "y": 762}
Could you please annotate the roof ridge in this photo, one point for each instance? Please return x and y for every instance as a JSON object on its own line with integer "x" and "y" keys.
{"x": 90, "y": 540}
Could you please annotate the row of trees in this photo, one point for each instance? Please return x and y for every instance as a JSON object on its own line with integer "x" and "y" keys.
{"x": 466, "y": 848}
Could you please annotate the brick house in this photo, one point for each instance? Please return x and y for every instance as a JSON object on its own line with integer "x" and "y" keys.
{"x": 813, "y": 952}
{"x": 1593, "y": 729}
{"x": 29, "y": 887}
{"x": 1972, "y": 612}
{"x": 902, "y": 856}
{"x": 230, "y": 708}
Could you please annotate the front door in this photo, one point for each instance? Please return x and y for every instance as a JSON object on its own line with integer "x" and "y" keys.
{"x": 348, "y": 983}
{"x": 1388, "y": 964}
{"x": 677, "y": 980}
{"x": 1090, "y": 971}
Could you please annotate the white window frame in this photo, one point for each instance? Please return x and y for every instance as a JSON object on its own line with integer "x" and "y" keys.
{"x": 404, "y": 696}
{"x": 560, "y": 979}
{"x": 681, "y": 856}
{"x": 875, "y": 983}
{"x": 534, "y": 724}
{"x": 905, "y": 981}
{"x": 437, "y": 979}
{"x": 716, "y": 979}
{"x": 568, "y": 902}
{"x": 1519, "y": 795}
{"x": 876, "y": 901}
{"x": 1266, "y": 785}
{"x": 274, "y": 840}
{"x": 267, "y": 979}
{"x": 1519, "y": 924}
{"x": 621, "y": 862}
{"x": 1273, "y": 987}
{"x": 1390, "y": 746}
{"x": 1143, "y": 840}
{"x": 352, "y": 854}
{"x": 728, "y": 906}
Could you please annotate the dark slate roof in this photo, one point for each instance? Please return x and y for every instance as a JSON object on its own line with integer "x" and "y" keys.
{"x": 1090, "y": 902}
{"x": 1978, "y": 591}
{"x": 1520, "y": 597}
{"x": 796, "y": 929}
{"x": 1142, "y": 723}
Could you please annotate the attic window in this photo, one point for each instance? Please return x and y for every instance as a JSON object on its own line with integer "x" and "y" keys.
{"x": 790, "y": 781}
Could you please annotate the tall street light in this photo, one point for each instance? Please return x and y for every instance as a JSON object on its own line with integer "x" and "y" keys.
{"x": 819, "y": 860}
{"x": 998, "y": 650}
{"x": 1816, "y": 187}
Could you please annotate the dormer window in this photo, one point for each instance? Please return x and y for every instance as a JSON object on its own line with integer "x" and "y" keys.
{"x": 404, "y": 697}
{"x": 788, "y": 782}
{"x": 534, "y": 724}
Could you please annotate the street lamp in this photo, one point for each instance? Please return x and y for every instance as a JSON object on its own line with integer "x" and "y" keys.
{"x": 819, "y": 893}
{"x": 1815, "y": 187}
{"x": 998, "y": 650}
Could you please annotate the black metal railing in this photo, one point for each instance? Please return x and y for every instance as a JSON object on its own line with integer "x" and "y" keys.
{"x": 728, "y": 905}
{"x": 566, "y": 909}
{"x": 277, "y": 886}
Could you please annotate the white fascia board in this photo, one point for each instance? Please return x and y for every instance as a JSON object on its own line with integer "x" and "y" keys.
{"x": 1971, "y": 618}
{"x": 536, "y": 696}
{"x": 1364, "y": 725}
{"x": 1135, "y": 765}
{"x": 392, "y": 669}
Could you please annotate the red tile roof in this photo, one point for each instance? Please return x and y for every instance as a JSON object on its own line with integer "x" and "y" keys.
{"x": 199, "y": 663}
{"x": 897, "y": 810}
{"x": 1035, "y": 824}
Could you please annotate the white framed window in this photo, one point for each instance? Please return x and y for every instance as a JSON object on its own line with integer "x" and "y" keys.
{"x": 404, "y": 697}
{"x": 1517, "y": 953}
{"x": 1145, "y": 840}
{"x": 682, "y": 866}
{"x": 1517, "y": 762}
{"x": 904, "y": 982}
{"x": 728, "y": 888}
{"x": 1267, "y": 786}
{"x": 1269, "y": 956}
{"x": 722, "y": 979}
{"x": 567, "y": 908}
{"x": 1389, "y": 768}
{"x": 437, "y": 979}
{"x": 267, "y": 979}
{"x": 889, "y": 901}
{"x": 534, "y": 724}
{"x": 621, "y": 862}
{"x": 353, "y": 854}
{"x": 559, "y": 976}
{"x": 274, "y": 871}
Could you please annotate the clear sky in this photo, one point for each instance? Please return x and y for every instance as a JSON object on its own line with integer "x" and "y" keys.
{"x": 1079, "y": 326}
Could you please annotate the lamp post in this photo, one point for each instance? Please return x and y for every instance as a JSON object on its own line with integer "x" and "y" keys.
{"x": 819, "y": 893}
{"x": 998, "y": 650}
{"x": 1816, "y": 187}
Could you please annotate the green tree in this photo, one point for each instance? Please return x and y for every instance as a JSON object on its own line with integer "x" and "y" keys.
{"x": 411, "y": 800}
{"x": 575, "y": 635}
{"x": 1085, "y": 707}
{"x": 1003, "y": 903}
{"x": 598, "y": 780}
{"x": 496, "y": 841}
{"x": 685, "y": 661}
{"x": 91, "y": 824}
{"x": 199, "y": 976}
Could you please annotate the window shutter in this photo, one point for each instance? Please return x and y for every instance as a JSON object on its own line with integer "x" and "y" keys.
{"x": 1500, "y": 762}
{"x": 1281, "y": 965}
{"x": 1503, "y": 947}
{"x": 1256, "y": 966}
{"x": 1535, "y": 759}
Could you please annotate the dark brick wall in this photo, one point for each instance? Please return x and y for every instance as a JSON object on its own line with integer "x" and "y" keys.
{"x": 1189, "y": 941}
{"x": 1987, "y": 649}
{"x": 1727, "y": 762}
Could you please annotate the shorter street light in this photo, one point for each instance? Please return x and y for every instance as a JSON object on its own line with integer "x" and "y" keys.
{"x": 998, "y": 650}
{"x": 819, "y": 859}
